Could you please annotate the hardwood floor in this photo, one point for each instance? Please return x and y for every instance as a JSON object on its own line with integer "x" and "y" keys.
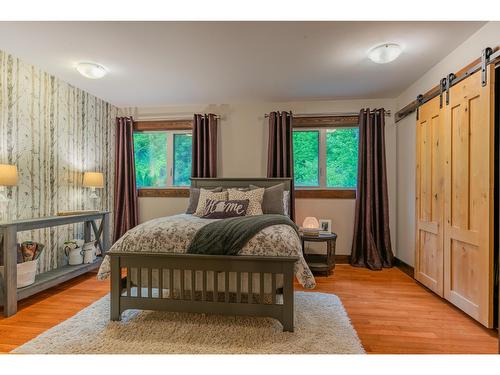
{"x": 390, "y": 311}
{"x": 44, "y": 310}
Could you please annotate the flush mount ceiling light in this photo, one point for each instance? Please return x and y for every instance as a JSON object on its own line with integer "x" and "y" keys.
{"x": 385, "y": 53}
{"x": 91, "y": 70}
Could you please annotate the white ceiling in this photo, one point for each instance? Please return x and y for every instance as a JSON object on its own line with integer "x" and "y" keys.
{"x": 160, "y": 63}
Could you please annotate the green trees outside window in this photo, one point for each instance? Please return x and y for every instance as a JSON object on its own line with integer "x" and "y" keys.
{"x": 150, "y": 155}
{"x": 182, "y": 159}
{"x": 326, "y": 158}
{"x": 162, "y": 159}
{"x": 306, "y": 157}
{"x": 342, "y": 157}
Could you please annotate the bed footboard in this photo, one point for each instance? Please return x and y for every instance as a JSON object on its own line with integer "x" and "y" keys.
{"x": 178, "y": 283}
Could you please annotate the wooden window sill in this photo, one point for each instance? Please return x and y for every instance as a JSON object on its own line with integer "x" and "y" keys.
{"x": 325, "y": 194}
{"x": 141, "y": 126}
{"x": 181, "y": 192}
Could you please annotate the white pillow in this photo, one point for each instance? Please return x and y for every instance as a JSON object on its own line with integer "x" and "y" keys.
{"x": 255, "y": 198}
{"x": 207, "y": 195}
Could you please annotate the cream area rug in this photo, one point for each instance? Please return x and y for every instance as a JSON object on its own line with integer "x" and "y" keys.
{"x": 321, "y": 326}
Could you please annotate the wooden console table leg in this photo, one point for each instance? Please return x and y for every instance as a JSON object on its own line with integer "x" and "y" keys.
{"x": 105, "y": 232}
{"x": 87, "y": 227}
{"x": 10, "y": 270}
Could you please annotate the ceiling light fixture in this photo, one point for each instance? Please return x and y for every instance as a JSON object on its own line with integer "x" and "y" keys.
{"x": 385, "y": 53}
{"x": 91, "y": 70}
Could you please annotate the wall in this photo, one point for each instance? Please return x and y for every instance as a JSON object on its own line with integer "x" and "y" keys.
{"x": 469, "y": 50}
{"x": 243, "y": 153}
{"x": 53, "y": 132}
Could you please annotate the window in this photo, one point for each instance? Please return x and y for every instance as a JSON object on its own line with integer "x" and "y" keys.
{"x": 182, "y": 159}
{"x": 306, "y": 157}
{"x": 326, "y": 158}
{"x": 162, "y": 158}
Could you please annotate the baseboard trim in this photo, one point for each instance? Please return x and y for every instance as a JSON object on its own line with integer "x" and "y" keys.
{"x": 342, "y": 259}
{"x": 404, "y": 267}
{"x": 398, "y": 263}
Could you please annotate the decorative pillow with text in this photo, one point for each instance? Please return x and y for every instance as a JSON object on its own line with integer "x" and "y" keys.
{"x": 205, "y": 195}
{"x": 216, "y": 209}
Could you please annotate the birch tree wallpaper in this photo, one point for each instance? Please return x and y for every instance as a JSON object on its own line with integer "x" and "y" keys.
{"x": 52, "y": 132}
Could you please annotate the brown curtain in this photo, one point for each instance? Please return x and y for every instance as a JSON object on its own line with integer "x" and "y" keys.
{"x": 204, "y": 154}
{"x": 125, "y": 210}
{"x": 280, "y": 150}
{"x": 371, "y": 245}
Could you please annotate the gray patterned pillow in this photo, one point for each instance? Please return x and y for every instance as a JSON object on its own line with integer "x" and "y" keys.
{"x": 225, "y": 209}
{"x": 254, "y": 196}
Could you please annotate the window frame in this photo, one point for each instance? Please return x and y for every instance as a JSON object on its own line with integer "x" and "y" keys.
{"x": 322, "y": 191}
{"x": 171, "y": 127}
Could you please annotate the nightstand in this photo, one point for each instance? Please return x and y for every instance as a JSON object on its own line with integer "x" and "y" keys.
{"x": 320, "y": 262}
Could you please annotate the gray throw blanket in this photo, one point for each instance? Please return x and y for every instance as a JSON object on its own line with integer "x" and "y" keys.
{"x": 228, "y": 236}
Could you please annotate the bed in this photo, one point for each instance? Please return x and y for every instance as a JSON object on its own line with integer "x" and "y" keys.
{"x": 150, "y": 269}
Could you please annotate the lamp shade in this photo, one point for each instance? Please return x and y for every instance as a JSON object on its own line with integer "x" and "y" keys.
{"x": 93, "y": 179}
{"x": 8, "y": 175}
{"x": 310, "y": 222}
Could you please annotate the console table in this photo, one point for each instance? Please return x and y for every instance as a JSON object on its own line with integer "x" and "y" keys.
{"x": 12, "y": 294}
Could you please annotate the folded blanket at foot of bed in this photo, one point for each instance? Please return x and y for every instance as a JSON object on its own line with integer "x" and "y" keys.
{"x": 229, "y": 236}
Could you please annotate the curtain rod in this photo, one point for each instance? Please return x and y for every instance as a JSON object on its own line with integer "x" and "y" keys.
{"x": 169, "y": 118}
{"x": 331, "y": 114}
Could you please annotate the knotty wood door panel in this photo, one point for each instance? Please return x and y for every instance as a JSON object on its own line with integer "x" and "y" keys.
{"x": 468, "y": 203}
{"x": 429, "y": 196}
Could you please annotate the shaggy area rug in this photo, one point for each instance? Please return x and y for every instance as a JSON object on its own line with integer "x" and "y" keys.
{"x": 321, "y": 326}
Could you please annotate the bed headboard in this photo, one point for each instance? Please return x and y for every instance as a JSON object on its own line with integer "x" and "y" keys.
{"x": 208, "y": 183}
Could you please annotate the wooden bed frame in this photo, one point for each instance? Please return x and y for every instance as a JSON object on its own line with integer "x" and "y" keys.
{"x": 216, "y": 298}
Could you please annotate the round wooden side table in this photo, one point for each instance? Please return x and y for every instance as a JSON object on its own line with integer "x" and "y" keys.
{"x": 321, "y": 263}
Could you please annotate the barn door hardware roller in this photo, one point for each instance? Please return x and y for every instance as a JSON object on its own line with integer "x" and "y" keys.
{"x": 449, "y": 83}
{"x": 485, "y": 60}
{"x": 420, "y": 101}
{"x": 442, "y": 88}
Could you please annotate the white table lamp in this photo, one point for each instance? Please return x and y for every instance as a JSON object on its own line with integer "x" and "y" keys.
{"x": 8, "y": 177}
{"x": 93, "y": 180}
{"x": 310, "y": 226}
{"x": 311, "y": 222}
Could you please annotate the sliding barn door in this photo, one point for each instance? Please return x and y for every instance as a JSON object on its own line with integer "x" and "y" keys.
{"x": 429, "y": 196}
{"x": 468, "y": 232}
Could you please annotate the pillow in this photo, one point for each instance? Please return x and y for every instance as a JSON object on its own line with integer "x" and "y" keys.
{"x": 286, "y": 203}
{"x": 206, "y": 195}
{"x": 224, "y": 209}
{"x": 273, "y": 199}
{"x": 254, "y": 196}
{"x": 194, "y": 196}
